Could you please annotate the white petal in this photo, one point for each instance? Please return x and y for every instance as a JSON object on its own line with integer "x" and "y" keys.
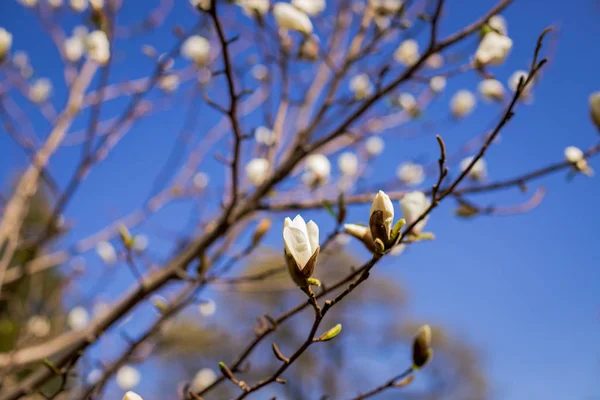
{"x": 383, "y": 203}
{"x": 289, "y": 17}
{"x": 299, "y": 223}
{"x": 132, "y": 396}
{"x": 358, "y": 231}
{"x": 296, "y": 244}
{"x": 313, "y": 235}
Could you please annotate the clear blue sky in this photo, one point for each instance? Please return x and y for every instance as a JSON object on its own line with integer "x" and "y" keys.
{"x": 524, "y": 289}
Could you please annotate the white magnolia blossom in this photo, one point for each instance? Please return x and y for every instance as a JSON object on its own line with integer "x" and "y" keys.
{"x": 301, "y": 240}
{"x": 513, "y": 83}
{"x": 255, "y": 7}
{"x": 361, "y": 86}
{"x": 97, "y": 5}
{"x": 257, "y": 170}
{"x": 260, "y": 72}
{"x": 132, "y": 396}
{"x": 28, "y": 3}
{"x": 479, "y": 170}
{"x": 169, "y": 83}
{"x": 407, "y": 53}
{"x": 78, "y": 318}
{"x": 5, "y": 42}
{"x": 435, "y": 61}
{"x": 128, "y": 377}
{"x": 409, "y": 104}
{"x": 493, "y": 49}
{"x": 289, "y": 17}
{"x": 107, "y": 252}
{"x": 39, "y": 326}
{"x": 317, "y": 170}
{"x": 462, "y": 103}
{"x": 140, "y": 243}
{"x": 40, "y": 90}
{"x": 264, "y": 136}
{"x": 311, "y": 7}
{"x": 207, "y": 308}
{"x": 595, "y": 108}
{"x": 55, "y": 3}
{"x": 202, "y": 4}
{"x": 200, "y": 180}
{"x": 98, "y": 47}
{"x": 491, "y": 90}
{"x": 411, "y": 174}
{"x": 348, "y": 163}
{"x": 78, "y": 5}
{"x": 573, "y": 154}
{"x": 386, "y": 7}
{"x": 383, "y": 203}
{"x": 498, "y": 23}
{"x": 74, "y": 48}
{"x": 413, "y": 205}
{"x": 197, "y": 49}
{"x": 203, "y": 379}
{"x": 437, "y": 84}
{"x": 374, "y": 146}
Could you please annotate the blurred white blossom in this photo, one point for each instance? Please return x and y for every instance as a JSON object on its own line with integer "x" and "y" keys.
{"x": 127, "y": 377}
{"x": 207, "y": 308}
{"x": 264, "y": 136}
{"x": 289, "y": 17}
{"x": 203, "y": 378}
{"x": 374, "y": 145}
{"x": 140, "y": 243}
{"x": 462, "y": 103}
{"x": 74, "y": 48}
{"x": 437, "y": 84}
{"x": 493, "y": 49}
{"x": 479, "y": 170}
{"x": 202, "y": 4}
{"x": 5, "y": 42}
{"x": 413, "y": 205}
{"x": 435, "y": 61}
{"x": 38, "y": 326}
{"x": 411, "y": 174}
{"x": 107, "y": 252}
{"x": 98, "y": 47}
{"x": 55, "y": 3}
{"x": 94, "y": 376}
{"x": 317, "y": 170}
{"x": 386, "y": 7}
{"x": 491, "y": 90}
{"x": 513, "y": 83}
{"x": 407, "y": 53}
{"x": 409, "y": 104}
{"x": 595, "y": 108}
{"x": 575, "y": 156}
{"x": 28, "y": 3}
{"x": 97, "y": 5}
{"x": 361, "y": 86}
{"x": 197, "y": 49}
{"x": 256, "y": 170}
{"x": 348, "y": 163}
{"x": 169, "y": 83}
{"x": 40, "y": 90}
{"x": 132, "y": 396}
{"x": 200, "y": 180}
{"x": 311, "y": 7}
{"x": 78, "y": 5}
{"x": 260, "y": 72}
{"x": 78, "y": 318}
{"x": 254, "y": 7}
{"x": 498, "y": 23}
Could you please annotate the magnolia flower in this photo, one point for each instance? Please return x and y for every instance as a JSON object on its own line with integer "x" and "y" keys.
{"x": 491, "y": 90}
{"x": 479, "y": 170}
{"x": 594, "y": 108}
{"x": 203, "y": 379}
{"x": 264, "y": 135}
{"x": 98, "y": 47}
{"x": 575, "y": 156}
{"x": 493, "y": 49}
{"x": 5, "y": 42}
{"x": 207, "y": 308}
{"x": 107, "y": 253}
{"x": 374, "y": 146}
{"x": 197, "y": 49}
{"x": 200, "y": 180}
{"x": 386, "y": 7}
{"x": 411, "y": 174}
{"x": 73, "y": 48}
{"x": 132, "y": 396}
{"x": 140, "y": 243}
{"x": 78, "y": 318}
{"x": 513, "y": 83}
{"x": 289, "y": 17}
{"x": 413, "y": 205}
{"x": 381, "y": 220}
{"x": 127, "y": 377}
{"x": 55, "y": 3}
{"x": 318, "y": 169}
{"x": 40, "y": 90}
{"x": 407, "y": 53}
{"x": 257, "y": 170}
{"x": 437, "y": 84}
{"x": 435, "y": 61}
{"x": 301, "y": 242}
{"x": 38, "y": 326}
{"x": 498, "y": 23}
{"x": 169, "y": 83}
{"x": 348, "y": 163}
{"x": 361, "y": 86}
{"x": 255, "y": 7}
{"x": 311, "y": 7}
{"x": 409, "y": 104}
{"x": 462, "y": 103}
{"x": 28, "y": 3}
{"x": 260, "y": 72}
{"x": 97, "y": 5}
{"x": 78, "y": 5}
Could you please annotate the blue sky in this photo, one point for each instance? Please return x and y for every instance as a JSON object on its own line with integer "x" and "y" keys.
{"x": 524, "y": 289}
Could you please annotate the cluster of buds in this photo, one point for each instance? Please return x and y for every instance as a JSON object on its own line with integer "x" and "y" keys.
{"x": 495, "y": 45}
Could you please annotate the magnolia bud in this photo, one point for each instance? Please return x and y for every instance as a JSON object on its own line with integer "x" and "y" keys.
{"x": 407, "y": 53}
{"x": 462, "y": 103}
{"x": 289, "y": 17}
{"x": 493, "y": 49}
{"x": 132, "y": 396}
{"x": 594, "y": 108}
{"x": 491, "y": 90}
{"x": 330, "y": 334}
{"x": 421, "y": 347}
{"x": 5, "y": 43}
